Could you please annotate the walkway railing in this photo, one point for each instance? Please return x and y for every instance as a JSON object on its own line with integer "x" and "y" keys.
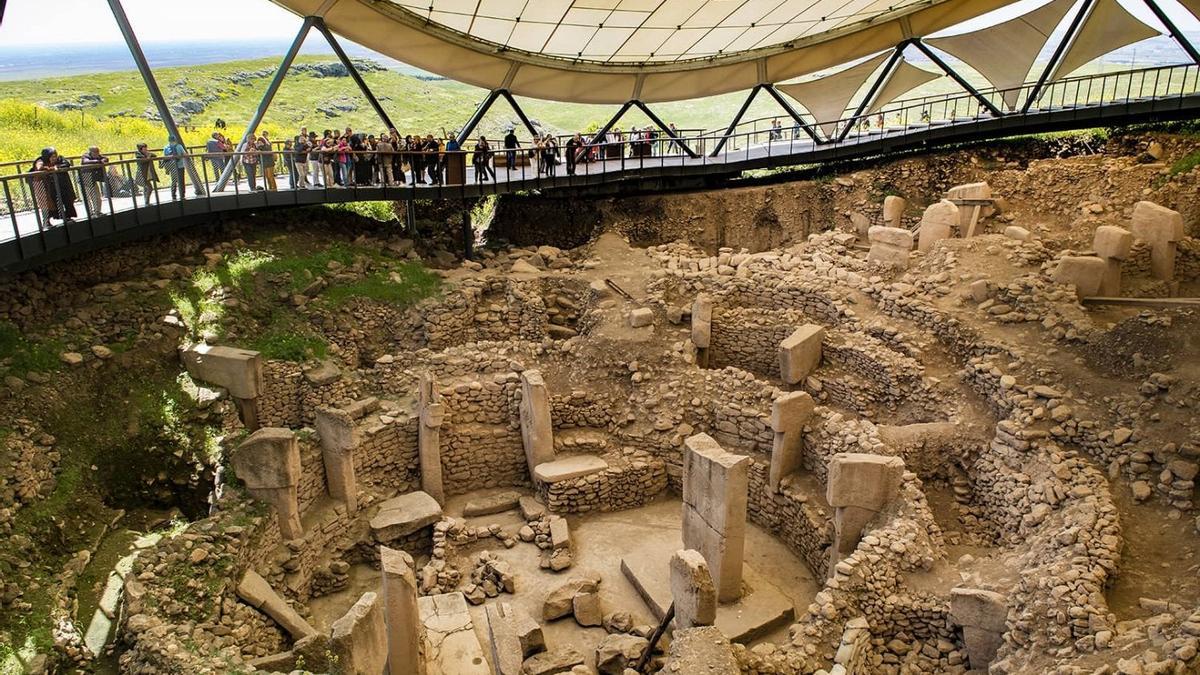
{"x": 55, "y": 210}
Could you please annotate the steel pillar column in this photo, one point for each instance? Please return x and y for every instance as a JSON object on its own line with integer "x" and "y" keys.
{"x": 787, "y": 107}
{"x": 1084, "y": 11}
{"x": 736, "y": 118}
{"x": 1187, "y": 46}
{"x": 937, "y": 60}
{"x": 319, "y": 24}
{"x": 485, "y": 106}
{"x": 875, "y": 87}
{"x": 135, "y": 49}
{"x": 268, "y": 96}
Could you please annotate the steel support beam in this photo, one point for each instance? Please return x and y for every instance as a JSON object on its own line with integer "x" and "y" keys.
{"x": 265, "y": 103}
{"x": 937, "y": 60}
{"x": 736, "y": 119}
{"x": 1187, "y": 46}
{"x": 634, "y": 103}
{"x": 319, "y": 24}
{"x": 787, "y": 107}
{"x": 1084, "y": 11}
{"x": 485, "y": 106}
{"x": 875, "y": 87}
{"x": 164, "y": 113}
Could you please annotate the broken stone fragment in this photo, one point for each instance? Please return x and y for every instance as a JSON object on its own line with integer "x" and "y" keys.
{"x": 619, "y": 651}
{"x": 642, "y": 316}
{"x": 559, "y": 602}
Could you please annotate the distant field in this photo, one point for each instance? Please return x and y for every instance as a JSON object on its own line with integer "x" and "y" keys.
{"x": 113, "y": 107}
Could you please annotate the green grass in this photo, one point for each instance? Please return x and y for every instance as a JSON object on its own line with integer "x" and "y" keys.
{"x": 287, "y": 338}
{"x": 24, "y": 354}
{"x": 1186, "y": 163}
{"x": 405, "y": 285}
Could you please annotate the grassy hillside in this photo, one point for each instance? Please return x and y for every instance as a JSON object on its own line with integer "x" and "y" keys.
{"x": 114, "y": 111}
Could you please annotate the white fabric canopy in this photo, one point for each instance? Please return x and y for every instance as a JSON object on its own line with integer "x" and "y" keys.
{"x": 903, "y": 79}
{"x": 610, "y": 51}
{"x": 827, "y": 98}
{"x": 1192, "y": 5}
{"x": 1107, "y": 28}
{"x": 1004, "y": 53}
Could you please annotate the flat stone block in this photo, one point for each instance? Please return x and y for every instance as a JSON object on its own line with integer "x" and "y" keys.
{"x": 642, "y": 316}
{"x": 1111, "y": 241}
{"x": 401, "y": 516}
{"x": 493, "y": 503}
{"x": 1156, "y": 224}
{"x": 268, "y": 459}
{"x": 568, "y": 468}
{"x": 893, "y": 236}
{"x": 556, "y": 661}
{"x": 560, "y": 533}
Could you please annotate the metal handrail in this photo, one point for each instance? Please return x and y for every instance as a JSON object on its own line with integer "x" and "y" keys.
{"x": 124, "y": 190}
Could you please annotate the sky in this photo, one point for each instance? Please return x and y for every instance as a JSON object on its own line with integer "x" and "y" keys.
{"x": 82, "y": 21}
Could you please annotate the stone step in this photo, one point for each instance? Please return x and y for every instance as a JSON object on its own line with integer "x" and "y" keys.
{"x": 568, "y": 468}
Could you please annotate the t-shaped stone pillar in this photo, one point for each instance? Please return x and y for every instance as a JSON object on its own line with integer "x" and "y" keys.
{"x": 937, "y": 223}
{"x": 893, "y": 210}
{"x": 692, "y": 590}
{"x": 268, "y": 464}
{"x": 1085, "y": 273}
{"x": 358, "y": 640}
{"x": 800, "y": 353}
{"x": 1162, "y": 229}
{"x": 702, "y": 311}
{"x": 715, "y": 484}
{"x": 429, "y": 436}
{"x": 789, "y": 414}
{"x": 537, "y": 430}
{"x": 890, "y": 246}
{"x": 983, "y": 616}
{"x": 1112, "y": 245}
{"x": 239, "y": 371}
{"x": 858, "y": 486}
{"x": 339, "y": 438}
{"x": 403, "y": 617}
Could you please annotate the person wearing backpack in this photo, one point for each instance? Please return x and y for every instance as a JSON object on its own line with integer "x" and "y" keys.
{"x": 174, "y": 161}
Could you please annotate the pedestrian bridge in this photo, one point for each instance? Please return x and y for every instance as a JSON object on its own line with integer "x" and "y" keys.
{"x": 28, "y": 238}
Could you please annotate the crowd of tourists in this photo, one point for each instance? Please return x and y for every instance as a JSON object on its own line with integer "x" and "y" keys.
{"x": 310, "y": 160}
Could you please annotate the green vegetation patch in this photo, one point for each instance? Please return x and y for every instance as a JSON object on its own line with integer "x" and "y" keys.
{"x": 1186, "y": 163}
{"x": 405, "y": 285}
{"x": 24, "y": 353}
{"x": 287, "y": 338}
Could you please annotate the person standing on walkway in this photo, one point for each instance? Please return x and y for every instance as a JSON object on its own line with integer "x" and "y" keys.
{"x": 383, "y": 156}
{"x": 147, "y": 175}
{"x": 550, "y": 152}
{"x": 574, "y": 145}
{"x": 483, "y": 160}
{"x": 433, "y": 159}
{"x": 175, "y": 162}
{"x": 299, "y": 166}
{"x": 267, "y": 161}
{"x": 213, "y": 147}
{"x": 250, "y": 162}
{"x": 345, "y": 161}
{"x": 397, "y": 157}
{"x": 314, "y": 160}
{"x": 91, "y": 176}
{"x": 511, "y": 143}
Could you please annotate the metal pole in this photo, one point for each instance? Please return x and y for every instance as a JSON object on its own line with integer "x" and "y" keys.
{"x": 319, "y": 24}
{"x": 875, "y": 86}
{"x": 268, "y": 96}
{"x": 1174, "y": 31}
{"x": 736, "y": 119}
{"x": 135, "y": 50}
{"x": 937, "y": 60}
{"x": 1084, "y": 11}
{"x": 787, "y": 107}
{"x": 478, "y": 116}
{"x": 520, "y": 113}
{"x": 667, "y": 130}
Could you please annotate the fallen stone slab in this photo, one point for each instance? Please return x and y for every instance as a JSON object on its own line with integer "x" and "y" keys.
{"x": 531, "y": 509}
{"x": 401, "y": 516}
{"x": 256, "y": 592}
{"x": 494, "y": 503}
{"x": 568, "y": 468}
{"x": 451, "y": 645}
{"x": 619, "y": 651}
{"x": 560, "y": 533}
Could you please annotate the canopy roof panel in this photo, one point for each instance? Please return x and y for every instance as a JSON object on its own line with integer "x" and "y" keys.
{"x": 610, "y": 51}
